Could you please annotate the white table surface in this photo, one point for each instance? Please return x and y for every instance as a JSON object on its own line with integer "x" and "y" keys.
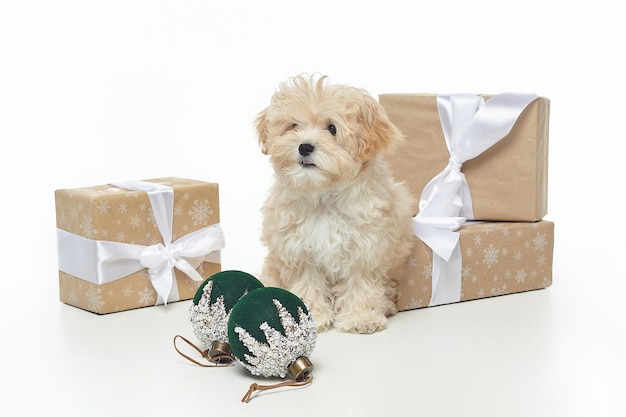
{"x": 552, "y": 352}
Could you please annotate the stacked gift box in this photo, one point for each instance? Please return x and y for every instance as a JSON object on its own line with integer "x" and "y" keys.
{"x": 136, "y": 243}
{"x": 477, "y": 167}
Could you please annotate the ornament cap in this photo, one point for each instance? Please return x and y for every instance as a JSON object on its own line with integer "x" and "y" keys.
{"x": 219, "y": 348}
{"x": 301, "y": 368}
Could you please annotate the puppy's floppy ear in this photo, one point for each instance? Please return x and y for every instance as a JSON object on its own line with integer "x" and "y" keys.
{"x": 376, "y": 130}
{"x": 261, "y": 125}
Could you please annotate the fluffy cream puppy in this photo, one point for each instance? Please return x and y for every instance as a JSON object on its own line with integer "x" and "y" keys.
{"x": 335, "y": 223}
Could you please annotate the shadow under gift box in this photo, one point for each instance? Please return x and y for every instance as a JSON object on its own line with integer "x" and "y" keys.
{"x": 108, "y": 213}
{"x": 507, "y": 182}
{"x": 497, "y": 258}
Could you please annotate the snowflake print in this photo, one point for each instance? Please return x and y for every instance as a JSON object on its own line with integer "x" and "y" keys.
{"x": 178, "y": 211}
{"x": 414, "y": 303}
{"x": 94, "y": 300}
{"x": 146, "y": 295}
{"x": 519, "y": 233}
{"x": 469, "y": 252}
{"x": 491, "y": 256}
{"x": 121, "y": 237}
{"x": 498, "y": 291}
{"x": 505, "y": 232}
{"x": 428, "y": 271}
{"x": 540, "y": 241}
{"x": 411, "y": 282}
{"x": 541, "y": 259}
{"x": 127, "y": 291}
{"x": 122, "y": 207}
{"x": 520, "y": 276}
{"x": 518, "y": 256}
{"x": 134, "y": 222}
{"x": 103, "y": 207}
{"x": 478, "y": 239}
{"x": 186, "y": 196}
{"x": 87, "y": 228}
{"x": 411, "y": 262}
{"x": 143, "y": 207}
{"x": 467, "y": 271}
{"x": 151, "y": 219}
{"x": 200, "y": 212}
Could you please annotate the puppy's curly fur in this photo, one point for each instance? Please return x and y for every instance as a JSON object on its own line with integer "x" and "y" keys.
{"x": 335, "y": 222}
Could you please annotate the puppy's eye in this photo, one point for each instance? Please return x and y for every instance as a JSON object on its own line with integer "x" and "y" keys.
{"x": 293, "y": 126}
{"x": 332, "y": 129}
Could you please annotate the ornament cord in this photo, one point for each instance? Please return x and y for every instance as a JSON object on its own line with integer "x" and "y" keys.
{"x": 256, "y": 387}
{"x": 217, "y": 361}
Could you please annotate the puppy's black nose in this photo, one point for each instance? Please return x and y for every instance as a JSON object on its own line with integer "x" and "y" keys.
{"x": 306, "y": 149}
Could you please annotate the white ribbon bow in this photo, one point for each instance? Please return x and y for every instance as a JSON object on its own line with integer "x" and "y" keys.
{"x": 100, "y": 262}
{"x": 470, "y": 125}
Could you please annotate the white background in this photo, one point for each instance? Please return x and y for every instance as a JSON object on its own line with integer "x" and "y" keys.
{"x": 99, "y": 91}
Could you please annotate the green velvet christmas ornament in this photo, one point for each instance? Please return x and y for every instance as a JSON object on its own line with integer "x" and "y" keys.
{"x": 212, "y": 306}
{"x": 272, "y": 333}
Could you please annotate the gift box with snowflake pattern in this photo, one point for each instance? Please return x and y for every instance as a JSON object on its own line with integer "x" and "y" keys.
{"x": 497, "y": 258}
{"x": 112, "y": 246}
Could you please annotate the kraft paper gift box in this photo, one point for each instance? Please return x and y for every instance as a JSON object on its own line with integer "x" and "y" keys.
{"x": 508, "y": 181}
{"x": 137, "y": 243}
{"x": 496, "y": 258}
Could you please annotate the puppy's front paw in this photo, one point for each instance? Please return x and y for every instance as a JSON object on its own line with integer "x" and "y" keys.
{"x": 323, "y": 319}
{"x": 391, "y": 308}
{"x": 366, "y": 322}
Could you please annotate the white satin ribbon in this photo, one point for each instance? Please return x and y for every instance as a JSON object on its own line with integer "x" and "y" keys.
{"x": 470, "y": 126}
{"x": 100, "y": 261}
